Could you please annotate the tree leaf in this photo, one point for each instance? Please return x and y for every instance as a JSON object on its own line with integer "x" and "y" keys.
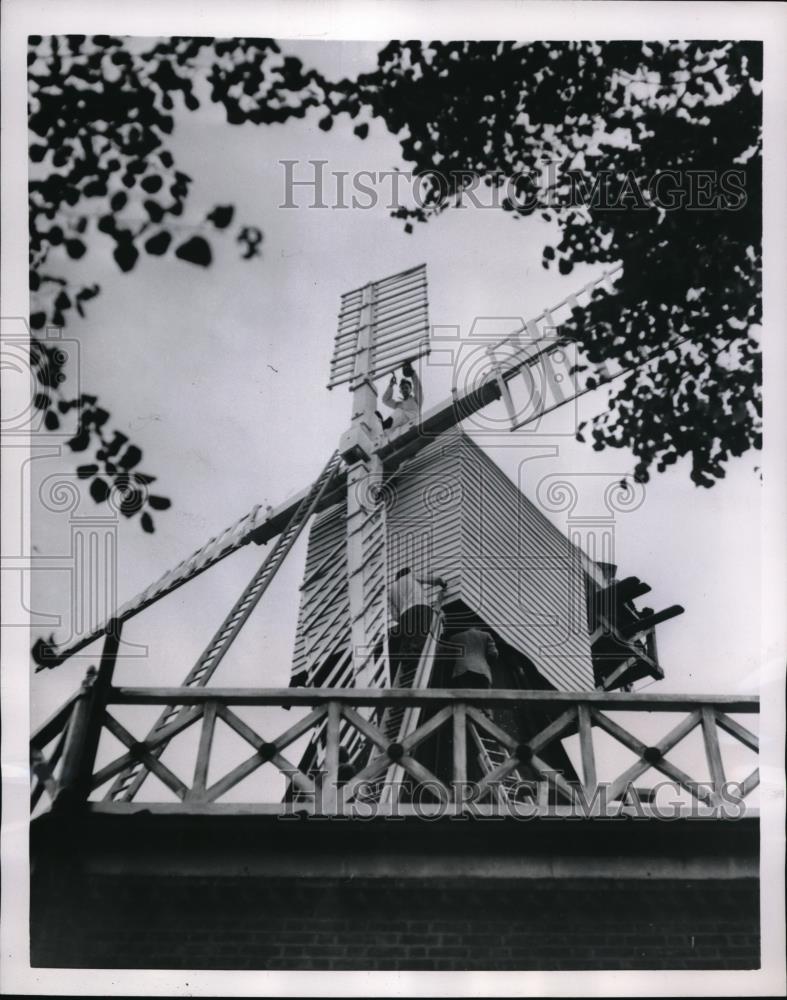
{"x": 222, "y": 216}
{"x": 151, "y": 184}
{"x": 131, "y": 457}
{"x": 159, "y": 243}
{"x": 125, "y": 255}
{"x": 99, "y": 490}
{"x": 75, "y": 249}
{"x": 80, "y": 441}
{"x": 196, "y": 251}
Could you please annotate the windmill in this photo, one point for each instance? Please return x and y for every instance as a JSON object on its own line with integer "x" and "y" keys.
{"x": 343, "y": 628}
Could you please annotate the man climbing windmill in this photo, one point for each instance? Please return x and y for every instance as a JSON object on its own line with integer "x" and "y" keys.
{"x": 411, "y": 616}
{"x": 407, "y": 410}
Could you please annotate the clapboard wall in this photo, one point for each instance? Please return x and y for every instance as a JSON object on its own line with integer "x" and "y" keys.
{"x": 454, "y": 511}
{"x": 451, "y": 510}
{"x": 323, "y": 629}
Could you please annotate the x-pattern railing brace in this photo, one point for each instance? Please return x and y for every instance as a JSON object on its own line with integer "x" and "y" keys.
{"x": 334, "y": 712}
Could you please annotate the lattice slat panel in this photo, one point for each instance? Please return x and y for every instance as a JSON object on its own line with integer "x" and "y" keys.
{"x": 399, "y": 321}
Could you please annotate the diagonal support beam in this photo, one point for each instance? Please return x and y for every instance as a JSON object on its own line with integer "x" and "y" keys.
{"x": 130, "y": 781}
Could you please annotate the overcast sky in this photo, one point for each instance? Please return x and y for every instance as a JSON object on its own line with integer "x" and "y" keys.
{"x": 219, "y": 375}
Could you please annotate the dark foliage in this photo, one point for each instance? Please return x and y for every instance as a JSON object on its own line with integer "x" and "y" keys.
{"x": 611, "y": 117}
{"x": 618, "y": 115}
{"x": 100, "y": 112}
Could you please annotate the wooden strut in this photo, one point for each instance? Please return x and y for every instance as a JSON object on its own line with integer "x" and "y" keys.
{"x": 84, "y": 728}
{"x": 366, "y": 573}
{"x": 128, "y": 783}
{"x": 399, "y": 723}
{"x": 334, "y": 712}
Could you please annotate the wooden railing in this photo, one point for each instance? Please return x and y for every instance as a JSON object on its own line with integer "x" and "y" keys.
{"x": 68, "y": 771}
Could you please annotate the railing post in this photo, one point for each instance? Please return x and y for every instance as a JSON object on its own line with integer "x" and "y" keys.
{"x": 710, "y": 737}
{"x": 460, "y": 749}
{"x": 329, "y": 789}
{"x": 542, "y": 794}
{"x": 200, "y": 782}
{"x": 84, "y": 729}
{"x": 589, "y": 779}
{"x": 67, "y": 794}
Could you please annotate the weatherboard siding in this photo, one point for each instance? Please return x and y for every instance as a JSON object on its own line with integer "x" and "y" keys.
{"x": 452, "y": 511}
{"x": 424, "y": 521}
{"x": 323, "y": 613}
{"x": 521, "y": 575}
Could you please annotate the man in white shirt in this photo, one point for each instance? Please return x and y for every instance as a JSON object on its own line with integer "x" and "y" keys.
{"x": 411, "y": 616}
{"x": 407, "y": 410}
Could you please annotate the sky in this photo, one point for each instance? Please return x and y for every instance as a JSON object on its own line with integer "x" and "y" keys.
{"x": 219, "y": 375}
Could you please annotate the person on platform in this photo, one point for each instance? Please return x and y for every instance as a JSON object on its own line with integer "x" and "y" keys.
{"x": 407, "y": 409}
{"x": 475, "y": 651}
{"x": 411, "y": 615}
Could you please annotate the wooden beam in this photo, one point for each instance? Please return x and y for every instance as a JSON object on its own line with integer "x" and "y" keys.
{"x": 200, "y": 781}
{"x": 460, "y": 745}
{"x": 749, "y": 784}
{"x": 98, "y": 704}
{"x": 423, "y": 775}
{"x": 417, "y": 736}
{"x": 376, "y": 767}
{"x": 375, "y": 736}
{"x": 69, "y": 791}
{"x": 618, "y": 672}
{"x": 632, "y": 628}
{"x": 43, "y": 771}
{"x": 140, "y": 752}
{"x": 586, "y": 749}
{"x": 710, "y": 735}
{"x": 54, "y": 724}
{"x": 741, "y": 733}
{"x": 609, "y": 701}
{"x": 694, "y": 788}
{"x": 330, "y": 780}
{"x": 503, "y": 738}
{"x": 553, "y": 731}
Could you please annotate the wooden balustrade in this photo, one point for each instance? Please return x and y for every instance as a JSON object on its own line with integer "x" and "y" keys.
{"x": 64, "y": 749}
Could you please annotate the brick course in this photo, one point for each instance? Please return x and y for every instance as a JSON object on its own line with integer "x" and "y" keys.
{"x": 221, "y": 922}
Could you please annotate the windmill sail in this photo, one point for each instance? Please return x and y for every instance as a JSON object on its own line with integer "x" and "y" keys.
{"x": 127, "y": 784}
{"x": 397, "y": 315}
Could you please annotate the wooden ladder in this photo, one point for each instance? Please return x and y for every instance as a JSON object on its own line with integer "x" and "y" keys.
{"x": 398, "y": 721}
{"x": 128, "y": 782}
{"x": 490, "y": 756}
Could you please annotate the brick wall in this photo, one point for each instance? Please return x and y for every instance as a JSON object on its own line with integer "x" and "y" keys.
{"x": 193, "y": 922}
